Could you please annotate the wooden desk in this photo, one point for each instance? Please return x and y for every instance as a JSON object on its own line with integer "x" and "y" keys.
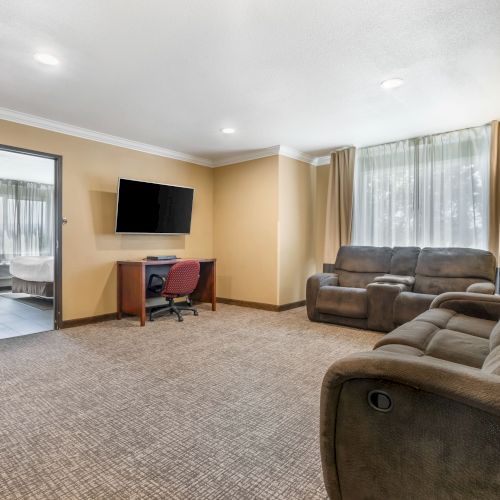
{"x": 133, "y": 275}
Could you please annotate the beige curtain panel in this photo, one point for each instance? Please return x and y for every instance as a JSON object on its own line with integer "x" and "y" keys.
{"x": 494, "y": 215}
{"x": 339, "y": 203}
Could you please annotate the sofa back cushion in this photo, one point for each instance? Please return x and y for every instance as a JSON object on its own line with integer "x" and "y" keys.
{"x": 404, "y": 260}
{"x": 441, "y": 270}
{"x": 357, "y": 266}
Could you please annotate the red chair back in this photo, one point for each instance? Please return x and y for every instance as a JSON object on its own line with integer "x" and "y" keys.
{"x": 182, "y": 279}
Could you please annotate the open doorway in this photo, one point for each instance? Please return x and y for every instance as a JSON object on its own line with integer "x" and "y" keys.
{"x": 30, "y": 233}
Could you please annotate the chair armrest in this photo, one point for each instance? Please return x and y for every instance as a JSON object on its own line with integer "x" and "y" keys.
{"x": 314, "y": 283}
{"x": 478, "y": 305}
{"x": 488, "y": 288}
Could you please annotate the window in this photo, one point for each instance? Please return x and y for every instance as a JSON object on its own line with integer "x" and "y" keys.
{"x": 429, "y": 191}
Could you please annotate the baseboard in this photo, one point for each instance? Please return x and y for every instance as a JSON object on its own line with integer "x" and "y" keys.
{"x": 291, "y": 305}
{"x": 261, "y": 305}
{"x": 70, "y": 323}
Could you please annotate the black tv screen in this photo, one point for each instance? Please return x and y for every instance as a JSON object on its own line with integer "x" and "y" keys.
{"x": 147, "y": 207}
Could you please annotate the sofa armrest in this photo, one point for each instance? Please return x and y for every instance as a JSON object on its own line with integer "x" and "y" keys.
{"x": 409, "y": 281}
{"x": 432, "y": 402}
{"x": 478, "y": 305}
{"x": 488, "y": 288}
{"x": 314, "y": 283}
{"x": 381, "y": 297}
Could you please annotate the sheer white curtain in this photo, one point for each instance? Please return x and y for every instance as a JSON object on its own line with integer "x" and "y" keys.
{"x": 428, "y": 191}
{"x": 26, "y": 219}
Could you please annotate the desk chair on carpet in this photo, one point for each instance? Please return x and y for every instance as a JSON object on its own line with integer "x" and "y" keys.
{"x": 180, "y": 282}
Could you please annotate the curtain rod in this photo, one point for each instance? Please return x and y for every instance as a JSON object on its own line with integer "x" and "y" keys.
{"x": 422, "y": 136}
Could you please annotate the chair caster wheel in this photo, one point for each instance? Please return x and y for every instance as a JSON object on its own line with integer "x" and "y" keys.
{"x": 181, "y": 319}
{"x": 196, "y": 313}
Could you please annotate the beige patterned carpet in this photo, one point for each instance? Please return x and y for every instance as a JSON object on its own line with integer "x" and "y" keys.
{"x": 223, "y": 405}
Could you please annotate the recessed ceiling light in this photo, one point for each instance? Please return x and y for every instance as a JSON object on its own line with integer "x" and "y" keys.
{"x": 228, "y": 130}
{"x": 44, "y": 58}
{"x": 392, "y": 83}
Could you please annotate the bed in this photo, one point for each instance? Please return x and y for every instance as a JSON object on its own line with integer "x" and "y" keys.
{"x": 33, "y": 275}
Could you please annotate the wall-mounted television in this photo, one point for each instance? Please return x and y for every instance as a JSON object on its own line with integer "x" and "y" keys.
{"x": 151, "y": 208}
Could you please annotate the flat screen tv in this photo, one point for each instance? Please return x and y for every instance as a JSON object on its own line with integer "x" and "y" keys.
{"x": 150, "y": 208}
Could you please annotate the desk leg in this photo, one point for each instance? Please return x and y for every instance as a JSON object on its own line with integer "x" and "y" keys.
{"x": 214, "y": 292}
{"x": 119, "y": 292}
{"x": 132, "y": 291}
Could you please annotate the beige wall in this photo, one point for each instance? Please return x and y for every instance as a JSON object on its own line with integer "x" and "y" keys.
{"x": 296, "y": 238}
{"x": 90, "y": 246}
{"x": 321, "y": 193}
{"x": 245, "y": 234}
{"x": 263, "y": 220}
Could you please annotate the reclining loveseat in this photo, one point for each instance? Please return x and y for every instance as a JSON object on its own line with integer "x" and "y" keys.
{"x": 418, "y": 417}
{"x": 380, "y": 288}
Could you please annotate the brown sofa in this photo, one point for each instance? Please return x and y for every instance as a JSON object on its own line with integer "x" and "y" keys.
{"x": 380, "y": 287}
{"x": 418, "y": 417}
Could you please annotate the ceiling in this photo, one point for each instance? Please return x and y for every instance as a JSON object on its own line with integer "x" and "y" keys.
{"x": 300, "y": 73}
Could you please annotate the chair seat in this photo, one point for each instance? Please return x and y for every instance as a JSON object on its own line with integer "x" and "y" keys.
{"x": 343, "y": 301}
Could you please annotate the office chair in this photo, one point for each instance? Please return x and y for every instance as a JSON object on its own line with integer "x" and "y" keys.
{"x": 180, "y": 282}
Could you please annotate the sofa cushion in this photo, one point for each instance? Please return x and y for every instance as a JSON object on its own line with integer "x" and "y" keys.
{"x": 408, "y": 305}
{"x": 456, "y": 263}
{"x": 404, "y": 260}
{"x": 492, "y": 362}
{"x": 458, "y": 347}
{"x": 356, "y": 280}
{"x": 495, "y": 337}
{"x": 437, "y": 285}
{"x": 361, "y": 259}
{"x": 441, "y": 270}
{"x": 430, "y": 334}
{"x": 342, "y": 301}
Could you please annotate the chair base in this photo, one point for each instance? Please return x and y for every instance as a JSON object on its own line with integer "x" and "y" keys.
{"x": 172, "y": 308}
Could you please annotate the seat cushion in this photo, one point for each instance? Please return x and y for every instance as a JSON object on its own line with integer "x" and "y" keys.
{"x": 458, "y": 347}
{"x": 409, "y": 305}
{"x": 446, "y": 335}
{"x": 342, "y": 301}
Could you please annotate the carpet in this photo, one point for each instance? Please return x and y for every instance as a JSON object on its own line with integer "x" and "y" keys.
{"x": 222, "y": 406}
{"x": 29, "y": 300}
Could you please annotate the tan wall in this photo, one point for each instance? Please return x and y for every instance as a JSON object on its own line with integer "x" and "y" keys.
{"x": 90, "y": 246}
{"x": 296, "y": 254}
{"x": 322, "y": 173}
{"x": 245, "y": 233}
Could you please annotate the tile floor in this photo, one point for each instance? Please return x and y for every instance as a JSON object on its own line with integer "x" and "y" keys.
{"x": 18, "y": 319}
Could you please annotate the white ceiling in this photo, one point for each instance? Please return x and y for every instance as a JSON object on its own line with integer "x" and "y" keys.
{"x": 26, "y": 168}
{"x": 301, "y": 73}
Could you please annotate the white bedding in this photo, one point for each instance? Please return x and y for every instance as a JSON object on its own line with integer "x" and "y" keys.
{"x": 33, "y": 268}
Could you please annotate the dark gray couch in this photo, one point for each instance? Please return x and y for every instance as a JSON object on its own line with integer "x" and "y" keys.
{"x": 418, "y": 417}
{"x": 380, "y": 287}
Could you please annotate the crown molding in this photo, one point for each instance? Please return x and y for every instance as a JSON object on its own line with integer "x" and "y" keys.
{"x": 249, "y": 156}
{"x": 321, "y": 160}
{"x": 296, "y": 155}
{"x": 84, "y": 133}
{"x": 264, "y": 153}
{"x": 92, "y": 135}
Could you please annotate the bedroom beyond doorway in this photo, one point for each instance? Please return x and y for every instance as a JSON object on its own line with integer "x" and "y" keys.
{"x": 27, "y": 242}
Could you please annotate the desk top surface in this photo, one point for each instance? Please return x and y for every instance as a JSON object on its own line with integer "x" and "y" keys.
{"x": 143, "y": 262}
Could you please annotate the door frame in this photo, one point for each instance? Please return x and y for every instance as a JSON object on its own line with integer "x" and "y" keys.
{"x": 58, "y": 221}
